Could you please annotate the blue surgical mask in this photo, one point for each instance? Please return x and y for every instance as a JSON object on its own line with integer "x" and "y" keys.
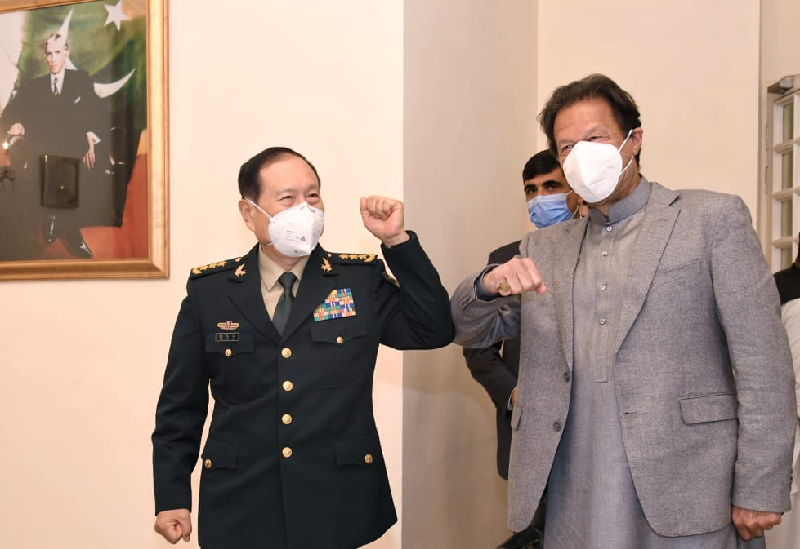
{"x": 549, "y": 209}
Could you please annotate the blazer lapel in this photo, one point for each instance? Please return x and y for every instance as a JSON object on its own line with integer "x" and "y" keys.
{"x": 561, "y": 286}
{"x": 319, "y": 279}
{"x": 246, "y": 295}
{"x": 653, "y": 237}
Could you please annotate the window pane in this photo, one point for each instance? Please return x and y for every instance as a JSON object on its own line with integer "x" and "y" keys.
{"x": 788, "y": 122}
{"x": 786, "y": 258}
{"x": 787, "y": 170}
{"x": 786, "y": 218}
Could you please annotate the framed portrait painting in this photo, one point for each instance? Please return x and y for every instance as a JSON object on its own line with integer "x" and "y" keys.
{"x": 83, "y": 139}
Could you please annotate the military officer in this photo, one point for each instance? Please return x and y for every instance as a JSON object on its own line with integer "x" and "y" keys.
{"x": 287, "y": 337}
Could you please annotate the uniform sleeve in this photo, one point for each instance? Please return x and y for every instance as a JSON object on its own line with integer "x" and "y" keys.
{"x": 415, "y": 315}
{"x": 181, "y": 410}
{"x": 749, "y": 311}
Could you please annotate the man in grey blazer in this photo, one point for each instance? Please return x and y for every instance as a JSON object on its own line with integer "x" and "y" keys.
{"x": 549, "y": 200}
{"x": 662, "y": 414}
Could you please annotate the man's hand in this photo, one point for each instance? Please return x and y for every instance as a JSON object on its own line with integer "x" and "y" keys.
{"x": 751, "y": 524}
{"x": 383, "y": 217}
{"x": 514, "y": 397}
{"x": 514, "y": 277}
{"x": 174, "y": 525}
{"x": 88, "y": 158}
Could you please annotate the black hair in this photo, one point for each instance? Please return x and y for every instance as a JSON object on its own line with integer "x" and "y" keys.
{"x": 539, "y": 164}
{"x": 249, "y": 180}
{"x": 590, "y": 87}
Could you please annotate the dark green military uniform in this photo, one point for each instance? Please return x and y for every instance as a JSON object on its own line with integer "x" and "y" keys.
{"x": 293, "y": 459}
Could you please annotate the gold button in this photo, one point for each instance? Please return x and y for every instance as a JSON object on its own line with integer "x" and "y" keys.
{"x": 286, "y": 419}
{"x": 228, "y": 352}
{"x": 287, "y": 452}
{"x": 339, "y": 340}
{"x": 288, "y": 386}
{"x": 286, "y": 352}
{"x": 207, "y": 464}
{"x": 368, "y": 458}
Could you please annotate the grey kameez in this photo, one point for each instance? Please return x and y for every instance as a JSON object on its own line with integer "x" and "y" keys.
{"x": 591, "y": 501}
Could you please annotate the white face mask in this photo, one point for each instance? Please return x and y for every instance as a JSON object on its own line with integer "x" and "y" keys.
{"x": 593, "y": 169}
{"x": 295, "y": 232}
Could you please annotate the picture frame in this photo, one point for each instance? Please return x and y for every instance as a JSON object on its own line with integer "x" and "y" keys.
{"x": 113, "y": 223}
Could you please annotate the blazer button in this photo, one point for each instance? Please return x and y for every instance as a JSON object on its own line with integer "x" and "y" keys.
{"x": 228, "y": 352}
{"x": 286, "y": 419}
{"x": 288, "y": 386}
{"x": 286, "y": 352}
{"x": 207, "y": 464}
{"x": 567, "y": 377}
{"x": 339, "y": 340}
{"x": 287, "y": 452}
{"x": 368, "y": 459}
{"x": 556, "y": 426}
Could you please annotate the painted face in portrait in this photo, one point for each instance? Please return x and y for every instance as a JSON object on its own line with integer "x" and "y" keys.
{"x": 56, "y": 53}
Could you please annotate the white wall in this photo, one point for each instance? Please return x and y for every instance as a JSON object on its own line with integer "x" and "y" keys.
{"x": 82, "y": 361}
{"x": 780, "y": 56}
{"x": 691, "y": 66}
{"x": 470, "y": 84}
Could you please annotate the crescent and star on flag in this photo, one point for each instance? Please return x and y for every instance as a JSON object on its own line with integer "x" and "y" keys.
{"x": 116, "y": 15}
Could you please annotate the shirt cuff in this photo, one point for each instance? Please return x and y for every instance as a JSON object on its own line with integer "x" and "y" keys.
{"x": 480, "y": 290}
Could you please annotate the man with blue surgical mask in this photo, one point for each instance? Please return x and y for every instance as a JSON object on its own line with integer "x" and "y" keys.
{"x": 549, "y": 197}
{"x": 655, "y": 395}
{"x": 550, "y": 200}
{"x": 286, "y": 337}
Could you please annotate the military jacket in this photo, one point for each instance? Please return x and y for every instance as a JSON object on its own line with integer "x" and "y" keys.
{"x": 292, "y": 459}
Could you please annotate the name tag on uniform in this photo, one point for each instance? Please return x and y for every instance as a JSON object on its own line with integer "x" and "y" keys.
{"x": 338, "y": 304}
{"x": 226, "y": 337}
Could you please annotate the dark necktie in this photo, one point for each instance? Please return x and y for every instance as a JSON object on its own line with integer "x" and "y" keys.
{"x": 55, "y": 85}
{"x": 285, "y": 302}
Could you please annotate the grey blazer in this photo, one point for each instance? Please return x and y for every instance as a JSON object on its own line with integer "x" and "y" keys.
{"x": 704, "y": 376}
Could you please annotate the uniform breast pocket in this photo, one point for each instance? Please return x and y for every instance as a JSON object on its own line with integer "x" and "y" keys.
{"x": 345, "y": 351}
{"x": 229, "y": 345}
{"x": 234, "y": 369}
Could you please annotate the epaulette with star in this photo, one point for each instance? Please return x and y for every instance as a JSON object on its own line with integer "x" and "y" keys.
{"x": 217, "y": 267}
{"x": 366, "y": 259}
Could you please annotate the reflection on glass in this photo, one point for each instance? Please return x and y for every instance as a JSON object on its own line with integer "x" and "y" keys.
{"x": 786, "y": 258}
{"x": 787, "y": 170}
{"x": 786, "y": 218}
{"x": 788, "y": 122}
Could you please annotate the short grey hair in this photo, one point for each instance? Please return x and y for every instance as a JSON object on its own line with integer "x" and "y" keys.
{"x": 56, "y": 36}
